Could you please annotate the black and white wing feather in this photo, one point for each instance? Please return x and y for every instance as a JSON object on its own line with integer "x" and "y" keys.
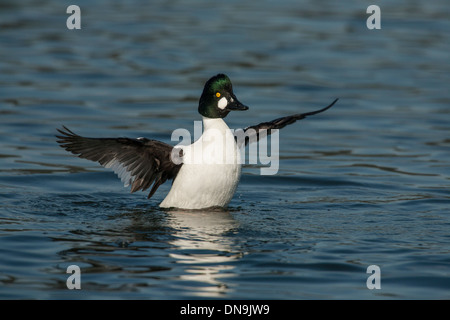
{"x": 140, "y": 162}
{"x": 252, "y": 133}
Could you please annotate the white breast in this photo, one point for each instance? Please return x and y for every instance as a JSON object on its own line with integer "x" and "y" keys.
{"x": 210, "y": 172}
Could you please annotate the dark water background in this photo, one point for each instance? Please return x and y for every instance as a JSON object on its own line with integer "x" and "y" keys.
{"x": 366, "y": 183}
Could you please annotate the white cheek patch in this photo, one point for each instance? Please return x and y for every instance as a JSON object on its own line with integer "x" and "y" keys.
{"x": 222, "y": 103}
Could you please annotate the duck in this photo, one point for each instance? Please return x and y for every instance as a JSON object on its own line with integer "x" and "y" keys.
{"x": 204, "y": 174}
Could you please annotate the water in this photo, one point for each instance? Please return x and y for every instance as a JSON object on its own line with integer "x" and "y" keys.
{"x": 366, "y": 183}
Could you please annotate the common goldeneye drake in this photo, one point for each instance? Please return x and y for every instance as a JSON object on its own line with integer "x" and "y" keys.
{"x": 205, "y": 174}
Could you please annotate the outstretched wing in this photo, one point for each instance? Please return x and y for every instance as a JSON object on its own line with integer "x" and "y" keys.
{"x": 252, "y": 133}
{"x": 138, "y": 162}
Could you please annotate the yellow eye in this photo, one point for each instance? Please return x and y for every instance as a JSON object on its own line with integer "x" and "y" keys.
{"x": 218, "y": 94}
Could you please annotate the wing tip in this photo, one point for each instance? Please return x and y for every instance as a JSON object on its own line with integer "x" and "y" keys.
{"x": 66, "y": 134}
{"x": 321, "y": 110}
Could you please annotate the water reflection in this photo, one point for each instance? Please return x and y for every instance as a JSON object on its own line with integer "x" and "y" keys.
{"x": 202, "y": 242}
{"x": 192, "y": 251}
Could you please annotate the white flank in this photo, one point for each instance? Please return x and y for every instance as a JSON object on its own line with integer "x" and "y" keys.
{"x": 210, "y": 172}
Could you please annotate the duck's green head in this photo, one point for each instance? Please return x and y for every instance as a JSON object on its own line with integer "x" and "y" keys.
{"x": 218, "y": 99}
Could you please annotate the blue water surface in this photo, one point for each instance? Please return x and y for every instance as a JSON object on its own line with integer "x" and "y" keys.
{"x": 365, "y": 183}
